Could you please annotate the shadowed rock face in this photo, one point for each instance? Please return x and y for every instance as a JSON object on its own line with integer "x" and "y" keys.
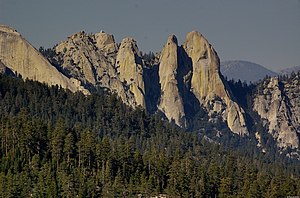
{"x": 2, "y": 67}
{"x": 5, "y": 70}
{"x": 19, "y": 56}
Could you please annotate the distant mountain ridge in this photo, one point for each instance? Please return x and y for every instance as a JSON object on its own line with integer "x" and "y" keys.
{"x": 245, "y": 71}
{"x": 288, "y": 71}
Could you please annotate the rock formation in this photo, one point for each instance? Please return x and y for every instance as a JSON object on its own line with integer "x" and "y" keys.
{"x": 106, "y": 43}
{"x": 180, "y": 81}
{"x": 194, "y": 70}
{"x": 79, "y": 57}
{"x": 207, "y": 83}
{"x": 277, "y": 103}
{"x": 171, "y": 103}
{"x": 187, "y": 76}
{"x": 95, "y": 59}
{"x": 130, "y": 67}
{"x": 18, "y": 55}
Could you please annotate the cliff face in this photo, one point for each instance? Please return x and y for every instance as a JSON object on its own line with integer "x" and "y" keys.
{"x": 193, "y": 71}
{"x": 277, "y": 103}
{"x": 171, "y": 102}
{"x": 130, "y": 69}
{"x": 208, "y": 86}
{"x": 19, "y": 56}
{"x": 96, "y": 60}
{"x": 81, "y": 58}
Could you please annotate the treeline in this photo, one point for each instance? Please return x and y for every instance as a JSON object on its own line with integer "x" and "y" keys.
{"x": 55, "y": 143}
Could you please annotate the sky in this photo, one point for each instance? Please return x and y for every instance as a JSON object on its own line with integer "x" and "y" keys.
{"x": 266, "y": 32}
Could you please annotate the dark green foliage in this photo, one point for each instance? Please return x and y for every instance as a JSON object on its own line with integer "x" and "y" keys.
{"x": 54, "y": 143}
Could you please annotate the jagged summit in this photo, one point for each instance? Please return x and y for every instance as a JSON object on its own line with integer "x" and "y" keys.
{"x": 172, "y": 39}
{"x": 171, "y": 102}
{"x": 8, "y": 29}
{"x": 106, "y": 42}
{"x": 130, "y": 69}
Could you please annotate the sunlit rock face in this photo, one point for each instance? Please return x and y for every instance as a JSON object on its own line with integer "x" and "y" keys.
{"x": 21, "y": 57}
{"x": 95, "y": 59}
{"x": 208, "y": 85}
{"x": 171, "y": 102}
{"x": 130, "y": 69}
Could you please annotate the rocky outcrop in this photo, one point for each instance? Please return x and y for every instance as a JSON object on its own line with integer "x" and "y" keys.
{"x": 95, "y": 59}
{"x": 79, "y": 57}
{"x": 207, "y": 83}
{"x": 277, "y": 103}
{"x": 18, "y": 55}
{"x": 171, "y": 102}
{"x": 130, "y": 68}
{"x": 180, "y": 81}
{"x": 193, "y": 71}
{"x": 106, "y": 43}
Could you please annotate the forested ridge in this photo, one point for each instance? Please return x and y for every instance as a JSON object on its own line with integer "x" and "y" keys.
{"x": 55, "y": 143}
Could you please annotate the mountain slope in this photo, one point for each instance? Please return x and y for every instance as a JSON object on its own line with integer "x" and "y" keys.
{"x": 245, "y": 71}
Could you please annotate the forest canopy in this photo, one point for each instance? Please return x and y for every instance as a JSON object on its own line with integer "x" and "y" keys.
{"x": 55, "y": 143}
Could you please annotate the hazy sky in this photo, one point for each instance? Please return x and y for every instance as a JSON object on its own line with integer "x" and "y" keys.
{"x": 266, "y": 32}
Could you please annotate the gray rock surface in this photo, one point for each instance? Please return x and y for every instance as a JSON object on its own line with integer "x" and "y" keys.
{"x": 95, "y": 59}
{"x": 278, "y": 104}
